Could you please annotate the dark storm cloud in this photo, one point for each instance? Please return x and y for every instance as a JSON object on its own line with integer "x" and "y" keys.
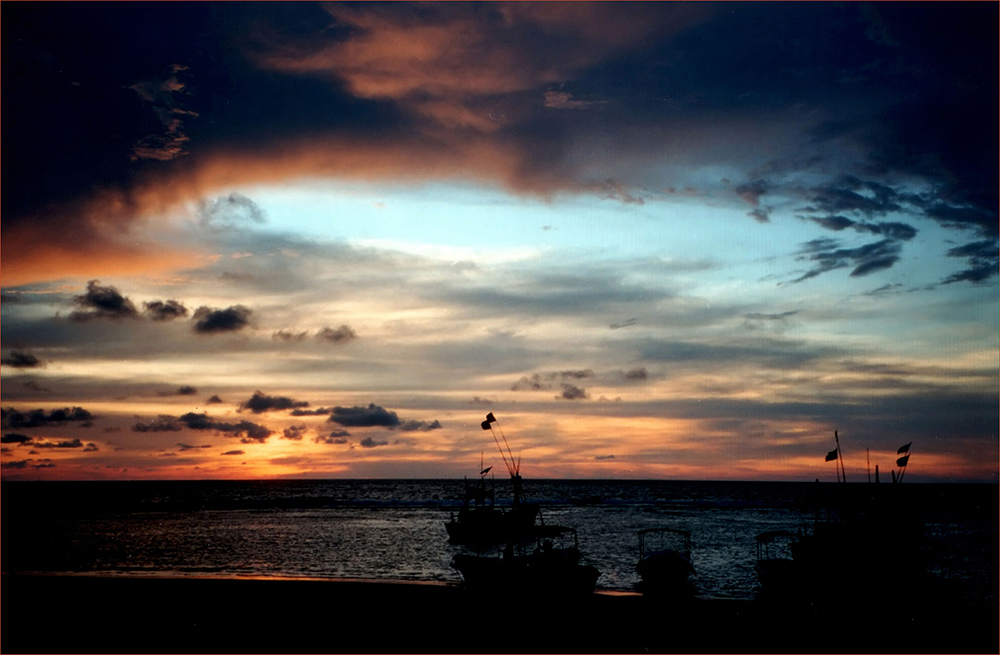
{"x": 319, "y": 411}
{"x": 214, "y": 400}
{"x": 215, "y": 321}
{"x": 892, "y": 230}
{"x": 983, "y": 258}
{"x": 12, "y": 418}
{"x": 26, "y": 463}
{"x": 827, "y": 256}
{"x": 358, "y": 417}
{"x": 162, "y": 423}
{"x": 13, "y": 437}
{"x": 247, "y": 431}
{"x": 183, "y": 446}
{"x": 75, "y": 443}
{"x": 851, "y": 194}
{"x": 571, "y": 392}
{"x": 233, "y": 452}
{"x": 260, "y": 403}
{"x": 18, "y": 359}
{"x": 160, "y": 310}
{"x": 603, "y": 457}
{"x": 340, "y": 335}
{"x": 186, "y": 390}
{"x": 294, "y": 433}
{"x": 103, "y": 302}
{"x": 419, "y": 426}
{"x": 638, "y": 373}
{"x": 91, "y": 448}
{"x": 368, "y": 442}
{"x": 338, "y": 437}
{"x": 543, "y": 381}
{"x": 835, "y": 223}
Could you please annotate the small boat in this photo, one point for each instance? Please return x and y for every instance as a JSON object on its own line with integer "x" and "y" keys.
{"x": 554, "y": 567}
{"x": 779, "y": 575}
{"x": 665, "y": 562}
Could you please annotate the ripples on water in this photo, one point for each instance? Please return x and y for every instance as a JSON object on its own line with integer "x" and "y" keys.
{"x": 395, "y": 529}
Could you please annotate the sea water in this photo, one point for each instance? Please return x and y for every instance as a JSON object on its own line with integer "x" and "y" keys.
{"x": 395, "y": 529}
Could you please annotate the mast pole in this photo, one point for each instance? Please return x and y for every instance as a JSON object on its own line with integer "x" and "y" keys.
{"x": 840, "y": 457}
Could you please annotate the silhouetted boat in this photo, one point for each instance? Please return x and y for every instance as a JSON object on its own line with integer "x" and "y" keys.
{"x": 861, "y": 534}
{"x": 777, "y": 572}
{"x": 549, "y": 569}
{"x": 664, "y": 564}
{"x": 480, "y": 522}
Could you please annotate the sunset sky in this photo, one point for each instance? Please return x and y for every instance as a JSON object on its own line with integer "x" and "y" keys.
{"x": 664, "y": 240}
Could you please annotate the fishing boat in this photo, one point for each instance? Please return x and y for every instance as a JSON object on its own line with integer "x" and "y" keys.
{"x": 779, "y": 575}
{"x": 480, "y": 522}
{"x": 861, "y": 533}
{"x": 554, "y": 566}
{"x": 664, "y": 564}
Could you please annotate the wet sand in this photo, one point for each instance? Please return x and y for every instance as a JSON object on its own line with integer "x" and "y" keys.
{"x": 89, "y": 614}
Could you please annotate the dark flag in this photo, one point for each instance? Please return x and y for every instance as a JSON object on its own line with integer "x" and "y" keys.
{"x": 485, "y": 424}
{"x": 832, "y": 455}
{"x": 904, "y": 449}
{"x": 485, "y": 470}
{"x": 901, "y": 462}
{"x": 490, "y": 418}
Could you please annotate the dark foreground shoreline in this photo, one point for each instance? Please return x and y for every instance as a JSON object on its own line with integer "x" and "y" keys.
{"x": 132, "y": 614}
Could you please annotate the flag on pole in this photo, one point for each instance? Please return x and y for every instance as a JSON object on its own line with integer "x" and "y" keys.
{"x": 902, "y": 460}
{"x": 489, "y": 419}
{"x": 832, "y": 455}
{"x": 904, "y": 449}
{"x": 485, "y": 470}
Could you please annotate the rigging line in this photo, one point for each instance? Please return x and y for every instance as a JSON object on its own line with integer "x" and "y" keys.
{"x": 509, "y": 469}
{"x": 508, "y": 447}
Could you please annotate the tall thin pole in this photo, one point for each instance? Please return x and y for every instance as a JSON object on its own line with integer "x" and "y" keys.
{"x": 903, "y": 472}
{"x": 840, "y": 456}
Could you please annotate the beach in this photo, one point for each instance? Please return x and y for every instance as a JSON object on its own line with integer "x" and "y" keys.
{"x": 162, "y": 614}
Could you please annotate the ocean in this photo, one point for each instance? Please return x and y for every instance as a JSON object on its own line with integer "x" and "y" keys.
{"x": 395, "y": 529}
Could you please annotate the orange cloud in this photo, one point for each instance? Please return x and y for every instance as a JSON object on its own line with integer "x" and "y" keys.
{"x": 445, "y": 61}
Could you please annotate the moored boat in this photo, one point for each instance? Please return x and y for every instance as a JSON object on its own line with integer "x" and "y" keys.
{"x": 664, "y": 564}
{"x": 554, "y": 567}
{"x": 779, "y": 575}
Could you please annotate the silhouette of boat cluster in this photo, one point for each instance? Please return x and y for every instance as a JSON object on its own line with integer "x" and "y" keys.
{"x": 857, "y": 539}
{"x": 527, "y": 555}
